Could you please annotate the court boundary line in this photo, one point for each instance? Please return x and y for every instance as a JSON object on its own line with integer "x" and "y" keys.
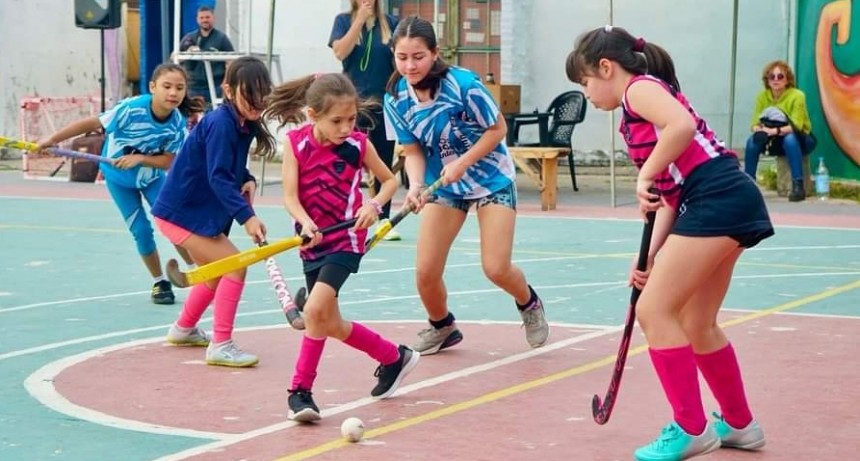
{"x": 513, "y": 390}
{"x": 517, "y": 389}
{"x": 40, "y": 383}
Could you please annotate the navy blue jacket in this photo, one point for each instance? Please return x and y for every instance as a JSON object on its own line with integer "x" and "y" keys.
{"x": 202, "y": 189}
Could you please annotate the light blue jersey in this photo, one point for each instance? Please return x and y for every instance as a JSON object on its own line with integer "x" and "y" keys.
{"x": 130, "y": 127}
{"x": 447, "y": 127}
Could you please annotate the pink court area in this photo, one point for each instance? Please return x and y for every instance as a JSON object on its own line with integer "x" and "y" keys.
{"x": 490, "y": 398}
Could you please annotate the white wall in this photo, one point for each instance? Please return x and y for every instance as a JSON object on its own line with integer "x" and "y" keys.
{"x": 697, "y": 33}
{"x": 62, "y": 60}
{"x": 57, "y": 61}
{"x": 300, "y": 34}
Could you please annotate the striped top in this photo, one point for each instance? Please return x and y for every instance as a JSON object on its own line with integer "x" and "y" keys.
{"x": 641, "y": 136}
{"x": 447, "y": 127}
{"x": 330, "y": 188}
{"x": 131, "y": 128}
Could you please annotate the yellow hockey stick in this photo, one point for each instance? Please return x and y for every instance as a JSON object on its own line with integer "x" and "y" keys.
{"x": 240, "y": 260}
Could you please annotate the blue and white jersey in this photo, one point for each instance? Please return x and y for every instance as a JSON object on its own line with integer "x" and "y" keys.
{"x": 447, "y": 126}
{"x": 130, "y": 127}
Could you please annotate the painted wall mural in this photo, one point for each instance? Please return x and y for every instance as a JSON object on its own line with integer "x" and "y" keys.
{"x": 828, "y": 70}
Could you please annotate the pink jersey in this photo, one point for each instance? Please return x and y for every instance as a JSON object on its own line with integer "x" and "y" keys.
{"x": 330, "y": 188}
{"x": 641, "y": 137}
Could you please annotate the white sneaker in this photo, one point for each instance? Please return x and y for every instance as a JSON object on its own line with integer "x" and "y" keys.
{"x": 392, "y": 236}
{"x": 194, "y": 336}
{"x": 228, "y": 354}
{"x": 747, "y": 438}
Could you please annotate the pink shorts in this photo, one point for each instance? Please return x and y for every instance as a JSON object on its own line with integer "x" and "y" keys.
{"x": 174, "y": 233}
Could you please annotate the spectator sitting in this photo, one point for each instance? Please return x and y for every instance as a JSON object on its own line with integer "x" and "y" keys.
{"x": 205, "y": 38}
{"x": 780, "y": 124}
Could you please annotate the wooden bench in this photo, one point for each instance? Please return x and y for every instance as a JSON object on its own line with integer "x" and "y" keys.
{"x": 540, "y": 164}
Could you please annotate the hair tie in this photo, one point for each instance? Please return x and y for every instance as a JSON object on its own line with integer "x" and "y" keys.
{"x": 607, "y": 28}
{"x": 639, "y": 45}
{"x": 318, "y": 75}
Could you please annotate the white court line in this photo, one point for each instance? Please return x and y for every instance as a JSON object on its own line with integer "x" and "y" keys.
{"x": 71, "y": 342}
{"x": 797, "y": 314}
{"x": 412, "y": 268}
{"x": 404, "y": 390}
{"x": 40, "y": 385}
{"x": 359, "y": 274}
{"x": 810, "y": 247}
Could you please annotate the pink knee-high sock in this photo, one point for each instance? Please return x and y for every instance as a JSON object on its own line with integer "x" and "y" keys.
{"x": 676, "y": 368}
{"x": 369, "y": 342}
{"x": 721, "y": 371}
{"x": 310, "y": 354}
{"x": 227, "y": 297}
{"x": 195, "y": 305}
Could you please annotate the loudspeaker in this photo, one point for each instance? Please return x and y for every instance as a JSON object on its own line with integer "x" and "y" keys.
{"x": 98, "y": 14}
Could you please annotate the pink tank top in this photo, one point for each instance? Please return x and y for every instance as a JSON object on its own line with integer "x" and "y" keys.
{"x": 330, "y": 188}
{"x": 641, "y": 137}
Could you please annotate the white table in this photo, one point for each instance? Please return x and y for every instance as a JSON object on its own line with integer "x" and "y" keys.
{"x": 207, "y": 57}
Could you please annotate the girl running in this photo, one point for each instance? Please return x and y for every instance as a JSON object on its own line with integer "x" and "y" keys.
{"x": 142, "y": 135}
{"x": 450, "y": 127}
{"x": 206, "y": 190}
{"x": 322, "y": 177}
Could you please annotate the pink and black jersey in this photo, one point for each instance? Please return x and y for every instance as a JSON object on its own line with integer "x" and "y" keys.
{"x": 330, "y": 188}
{"x": 641, "y": 136}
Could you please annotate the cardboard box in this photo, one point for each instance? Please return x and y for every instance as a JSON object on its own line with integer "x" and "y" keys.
{"x": 506, "y": 96}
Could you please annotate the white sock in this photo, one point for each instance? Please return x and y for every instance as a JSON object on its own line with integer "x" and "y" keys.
{"x": 192, "y": 266}
{"x": 159, "y": 279}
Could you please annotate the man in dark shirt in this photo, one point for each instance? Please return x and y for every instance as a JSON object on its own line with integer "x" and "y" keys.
{"x": 205, "y": 38}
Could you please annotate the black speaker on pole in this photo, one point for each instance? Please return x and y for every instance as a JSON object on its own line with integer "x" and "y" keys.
{"x": 98, "y": 14}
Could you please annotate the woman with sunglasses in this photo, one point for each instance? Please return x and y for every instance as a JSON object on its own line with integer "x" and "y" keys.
{"x": 794, "y": 136}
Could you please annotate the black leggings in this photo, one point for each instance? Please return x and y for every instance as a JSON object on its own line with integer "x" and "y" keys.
{"x": 333, "y": 275}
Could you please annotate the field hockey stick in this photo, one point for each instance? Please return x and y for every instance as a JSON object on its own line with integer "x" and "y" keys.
{"x": 240, "y": 260}
{"x": 388, "y": 224}
{"x": 282, "y": 290}
{"x": 603, "y": 410}
{"x": 31, "y": 146}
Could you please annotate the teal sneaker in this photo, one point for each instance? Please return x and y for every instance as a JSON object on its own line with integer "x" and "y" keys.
{"x": 748, "y": 438}
{"x": 674, "y": 444}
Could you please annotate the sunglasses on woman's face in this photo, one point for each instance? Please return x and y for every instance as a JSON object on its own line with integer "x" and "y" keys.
{"x": 776, "y": 77}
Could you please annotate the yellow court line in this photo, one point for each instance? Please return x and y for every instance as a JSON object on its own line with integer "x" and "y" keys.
{"x": 513, "y": 390}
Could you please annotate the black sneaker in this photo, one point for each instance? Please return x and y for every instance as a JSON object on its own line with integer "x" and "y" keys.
{"x": 162, "y": 293}
{"x": 390, "y": 376}
{"x": 302, "y": 406}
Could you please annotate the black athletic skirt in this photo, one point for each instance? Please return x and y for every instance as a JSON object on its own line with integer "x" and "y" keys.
{"x": 718, "y": 199}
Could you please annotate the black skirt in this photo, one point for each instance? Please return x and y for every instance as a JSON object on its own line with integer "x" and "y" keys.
{"x": 718, "y": 199}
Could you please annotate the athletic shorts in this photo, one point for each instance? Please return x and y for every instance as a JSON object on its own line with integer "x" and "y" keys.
{"x": 719, "y": 199}
{"x": 174, "y": 233}
{"x": 332, "y": 269}
{"x": 506, "y": 196}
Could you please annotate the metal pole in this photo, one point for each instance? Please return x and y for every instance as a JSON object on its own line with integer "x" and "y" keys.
{"x": 732, "y": 74}
{"x": 612, "y": 193}
{"x": 269, "y": 47}
{"x": 102, "y": 77}
{"x": 177, "y": 25}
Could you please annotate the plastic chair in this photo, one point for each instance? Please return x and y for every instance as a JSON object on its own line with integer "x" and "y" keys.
{"x": 567, "y": 110}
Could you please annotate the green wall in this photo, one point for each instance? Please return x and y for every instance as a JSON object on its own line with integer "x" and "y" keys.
{"x": 842, "y": 160}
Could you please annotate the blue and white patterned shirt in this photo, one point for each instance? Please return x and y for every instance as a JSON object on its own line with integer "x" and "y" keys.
{"x": 446, "y": 127}
{"x": 130, "y": 127}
